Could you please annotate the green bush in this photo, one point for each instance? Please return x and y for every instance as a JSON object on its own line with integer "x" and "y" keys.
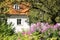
{"x": 6, "y": 29}
{"x": 13, "y": 37}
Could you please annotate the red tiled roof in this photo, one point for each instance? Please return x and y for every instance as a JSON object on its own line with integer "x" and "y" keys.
{"x": 23, "y": 11}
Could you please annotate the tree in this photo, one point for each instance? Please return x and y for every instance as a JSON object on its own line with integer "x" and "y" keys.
{"x": 50, "y": 7}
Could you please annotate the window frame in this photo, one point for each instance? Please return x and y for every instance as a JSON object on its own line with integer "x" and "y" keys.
{"x": 18, "y": 21}
{"x": 16, "y": 6}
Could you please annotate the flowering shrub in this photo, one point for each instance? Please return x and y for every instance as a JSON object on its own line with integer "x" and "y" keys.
{"x": 38, "y": 31}
{"x": 42, "y": 27}
{"x": 43, "y": 31}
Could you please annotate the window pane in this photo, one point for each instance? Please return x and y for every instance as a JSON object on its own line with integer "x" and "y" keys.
{"x": 18, "y": 21}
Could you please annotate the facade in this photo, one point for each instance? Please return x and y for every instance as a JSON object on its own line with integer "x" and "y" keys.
{"x": 19, "y": 16}
{"x": 19, "y": 22}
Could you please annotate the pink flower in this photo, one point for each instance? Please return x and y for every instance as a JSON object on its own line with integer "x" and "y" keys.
{"x": 28, "y": 33}
{"x": 33, "y": 25}
{"x": 56, "y": 26}
{"x": 38, "y": 24}
{"x": 32, "y": 29}
{"x": 44, "y": 29}
{"x": 47, "y": 25}
{"x": 42, "y": 24}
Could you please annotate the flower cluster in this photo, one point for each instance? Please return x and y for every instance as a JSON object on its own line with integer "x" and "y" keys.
{"x": 42, "y": 30}
{"x": 42, "y": 27}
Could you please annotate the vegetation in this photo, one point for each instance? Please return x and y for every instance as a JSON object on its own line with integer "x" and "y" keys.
{"x": 42, "y": 31}
{"x": 40, "y": 11}
{"x": 48, "y": 10}
{"x": 38, "y": 31}
{"x": 5, "y": 29}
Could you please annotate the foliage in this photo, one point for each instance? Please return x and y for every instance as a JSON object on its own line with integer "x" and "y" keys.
{"x": 48, "y": 7}
{"x": 34, "y": 16}
{"x": 13, "y": 37}
{"x": 38, "y": 31}
{"x": 41, "y": 10}
{"x": 5, "y": 29}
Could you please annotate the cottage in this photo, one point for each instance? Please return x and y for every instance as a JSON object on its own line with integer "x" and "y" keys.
{"x": 19, "y": 16}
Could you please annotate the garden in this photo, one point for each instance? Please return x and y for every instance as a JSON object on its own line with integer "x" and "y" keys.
{"x": 44, "y": 21}
{"x": 38, "y": 31}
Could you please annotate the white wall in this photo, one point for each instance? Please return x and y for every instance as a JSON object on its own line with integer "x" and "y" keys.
{"x": 24, "y": 25}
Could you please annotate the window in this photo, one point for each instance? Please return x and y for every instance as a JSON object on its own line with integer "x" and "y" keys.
{"x": 18, "y": 21}
{"x": 16, "y": 6}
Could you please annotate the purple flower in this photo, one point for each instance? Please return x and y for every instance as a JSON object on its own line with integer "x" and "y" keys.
{"x": 38, "y": 24}
{"x": 28, "y": 32}
{"x": 42, "y": 24}
{"x": 47, "y": 25}
{"x": 56, "y": 26}
{"x": 43, "y": 29}
{"x": 33, "y": 27}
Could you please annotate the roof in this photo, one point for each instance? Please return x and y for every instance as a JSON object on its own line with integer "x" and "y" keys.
{"x": 24, "y": 9}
